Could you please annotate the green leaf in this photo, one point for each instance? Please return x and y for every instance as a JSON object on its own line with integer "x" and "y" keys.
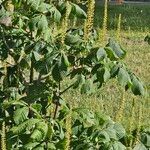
{"x": 37, "y": 135}
{"x": 120, "y": 131}
{"x": 51, "y": 146}
{"x": 77, "y": 11}
{"x": 124, "y": 78}
{"x": 103, "y": 136}
{"x": 60, "y": 68}
{"x": 21, "y": 114}
{"x": 65, "y": 60}
{"x": 42, "y": 23}
{"x": 39, "y": 148}
{"x": 100, "y": 75}
{"x": 44, "y": 8}
{"x": 30, "y": 145}
{"x": 37, "y": 107}
{"x": 111, "y": 54}
{"x": 101, "y": 54}
{"x": 37, "y": 56}
{"x": 119, "y": 51}
{"x": 106, "y": 75}
{"x": 137, "y": 87}
{"x": 56, "y": 73}
{"x": 80, "y": 80}
{"x": 33, "y": 22}
{"x": 145, "y": 138}
{"x": 114, "y": 70}
{"x": 111, "y": 132}
{"x": 34, "y": 4}
{"x": 72, "y": 39}
{"x": 139, "y": 146}
{"x": 56, "y": 14}
{"x": 25, "y": 126}
{"x": 117, "y": 146}
{"x": 147, "y": 39}
{"x": 87, "y": 87}
{"x": 14, "y": 102}
{"x": 40, "y": 131}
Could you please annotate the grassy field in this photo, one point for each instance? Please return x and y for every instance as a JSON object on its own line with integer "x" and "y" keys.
{"x": 111, "y": 99}
{"x": 134, "y": 16}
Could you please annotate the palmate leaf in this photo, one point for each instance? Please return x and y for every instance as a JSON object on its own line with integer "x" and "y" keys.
{"x": 21, "y": 114}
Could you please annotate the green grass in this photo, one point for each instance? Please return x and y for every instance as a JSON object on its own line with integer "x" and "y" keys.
{"x": 135, "y": 26}
{"x": 134, "y": 16}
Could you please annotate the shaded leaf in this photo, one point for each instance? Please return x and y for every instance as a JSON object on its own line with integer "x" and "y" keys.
{"x": 137, "y": 86}
{"x": 30, "y": 145}
{"x": 72, "y": 39}
{"x": 119, "y": 51}
{"x": 77, "y": 11}
{"x": 111, "y": 54}
{"x": 123, "y": 77}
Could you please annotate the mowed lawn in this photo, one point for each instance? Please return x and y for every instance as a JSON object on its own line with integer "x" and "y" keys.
{"x": 111, "y": 99}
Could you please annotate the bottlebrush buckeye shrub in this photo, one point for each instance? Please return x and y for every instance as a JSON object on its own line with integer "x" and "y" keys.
{"x": 38, "y": 52}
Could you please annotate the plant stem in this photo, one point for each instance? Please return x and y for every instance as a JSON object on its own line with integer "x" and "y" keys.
{"x": 57, "y": 102}
{"x": 31, "y": 70}
{"x": 55, "y": 112}
{"x": 66, "y": 89}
